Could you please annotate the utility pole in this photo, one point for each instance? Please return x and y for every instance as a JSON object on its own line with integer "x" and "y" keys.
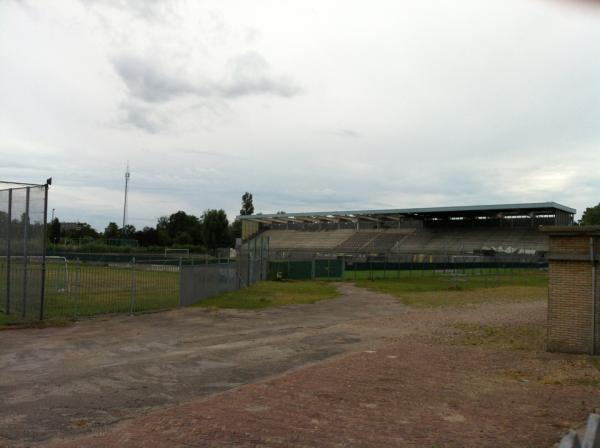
{"x": 125, "y": 202}
{"x": 52, "y": 215}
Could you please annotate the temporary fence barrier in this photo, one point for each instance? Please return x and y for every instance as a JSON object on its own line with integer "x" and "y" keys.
{"x": 23, "y": 210}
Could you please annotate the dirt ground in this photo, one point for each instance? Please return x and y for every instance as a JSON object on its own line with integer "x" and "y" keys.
{"x": 360, "y": 370}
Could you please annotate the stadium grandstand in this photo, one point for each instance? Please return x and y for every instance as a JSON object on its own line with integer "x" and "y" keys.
{"x": 479, "y": 230}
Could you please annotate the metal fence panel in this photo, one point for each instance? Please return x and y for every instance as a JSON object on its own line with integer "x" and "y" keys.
{"x": 300, "y": 270}
{"x": 75, "y": 288}
{"x": 252, "y": 258}
{"x": 22, "y": 245}
{"x": 4, "y": 262}
{"x": 203, "y": 281}
{"x": 306, "y": 269}
{"x": 329, "y": 268}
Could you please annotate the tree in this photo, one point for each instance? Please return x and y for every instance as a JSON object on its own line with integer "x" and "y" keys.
{"x": 247, "y": 205}
{"x": 591, "y": 216}
{"x": 181, "y": 222}
{"x": 162, "y": 230}
{"x": 215, "y": 229}
{"x": 54, "y": 230}
{"x": 82, "y": 230}
{"x": 183, "y": 238}
{"x": 111, "y": 231}
{"x": 148, "y": 236}
{"x": 128, "y": 231}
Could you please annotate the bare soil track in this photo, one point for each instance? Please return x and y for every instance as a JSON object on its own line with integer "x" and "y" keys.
{"x": 359, "y": 370}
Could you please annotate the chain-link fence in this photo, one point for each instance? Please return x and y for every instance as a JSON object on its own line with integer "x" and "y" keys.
{"x": 35, "y": 286}
{"x": 22, "y": 250}
{"x": 253, "y": 259}
{"x": 202, "y": 281}
{"x": 77, "y": 288}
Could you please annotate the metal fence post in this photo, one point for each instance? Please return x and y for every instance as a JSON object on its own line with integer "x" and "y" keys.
{"x": 181, "y": 289}
{"x": 78, "y": 282}
{"x": 132, "y": 297}
{"x": 249, "y": 266}
{"x": 25, "y": 250}
{"x": 8, "y": 250}
{"x": 43, "y": 285}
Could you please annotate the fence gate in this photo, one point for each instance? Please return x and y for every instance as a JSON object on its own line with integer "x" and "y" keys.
{"x": 23, "y": 209}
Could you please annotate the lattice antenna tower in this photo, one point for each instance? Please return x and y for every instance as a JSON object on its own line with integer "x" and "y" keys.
{"x": 127, "y": 175}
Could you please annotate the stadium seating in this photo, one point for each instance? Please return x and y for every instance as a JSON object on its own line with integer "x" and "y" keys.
{"x": 438, "y": 240}
{"x": 307, "y": 240}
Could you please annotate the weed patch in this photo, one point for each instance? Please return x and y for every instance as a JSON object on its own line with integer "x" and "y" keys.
{"x": 270, "y": 293}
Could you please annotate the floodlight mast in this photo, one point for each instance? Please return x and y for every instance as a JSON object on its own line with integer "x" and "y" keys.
{"x": 127, "y": 175}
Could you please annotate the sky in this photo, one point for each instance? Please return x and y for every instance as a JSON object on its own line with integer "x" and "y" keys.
{"x": 310, "y": 105}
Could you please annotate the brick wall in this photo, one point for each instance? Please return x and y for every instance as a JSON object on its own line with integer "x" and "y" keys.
{"x": 570, "y": 290}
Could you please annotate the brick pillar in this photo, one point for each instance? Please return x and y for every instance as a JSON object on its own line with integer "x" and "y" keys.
{"x": 573, "y": 305}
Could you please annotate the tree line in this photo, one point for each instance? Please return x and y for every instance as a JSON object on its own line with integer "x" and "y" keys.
{"x": 211, "y": 230}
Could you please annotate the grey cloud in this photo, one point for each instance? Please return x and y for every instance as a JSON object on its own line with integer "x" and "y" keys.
{"x": 149, "y": 82}
{"x": 141, "y": 117}
{"x": 248, "y": 74}
{"x": 145, "y": 9}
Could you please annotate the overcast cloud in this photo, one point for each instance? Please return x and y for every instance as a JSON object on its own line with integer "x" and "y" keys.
{"x": 312, "y": 105}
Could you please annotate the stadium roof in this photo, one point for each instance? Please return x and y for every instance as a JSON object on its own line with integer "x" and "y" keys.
{"x": 468, "y": 210}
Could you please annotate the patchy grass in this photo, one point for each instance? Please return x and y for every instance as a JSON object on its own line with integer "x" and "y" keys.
{"x": 269, "y": 293}
{"x": 515, "y": 337}
{"x": 555, "y": 369}
{"x": 504, "y": 294}
{"x": 439, "y": 294}
{"x": 485, "y": 276}
{"x": 455, "y": 290}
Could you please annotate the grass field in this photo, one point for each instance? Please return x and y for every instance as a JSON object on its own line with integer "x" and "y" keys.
{"x": 446, "y": 290}
{"x": 270, "y": 293}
